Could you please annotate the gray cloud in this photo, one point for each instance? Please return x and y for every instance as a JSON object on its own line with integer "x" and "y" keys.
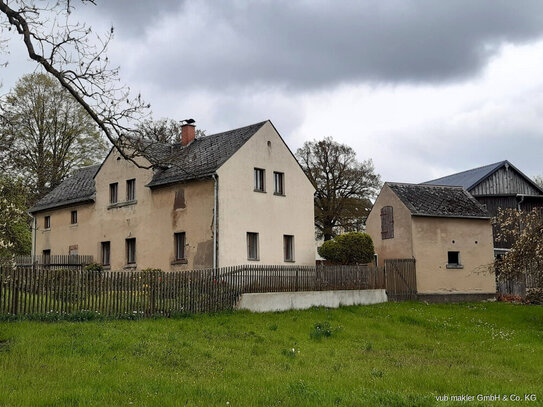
{"x": 310, "y": 45}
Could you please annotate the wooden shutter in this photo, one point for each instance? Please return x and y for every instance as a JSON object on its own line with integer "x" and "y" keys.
{"x": 387, "y": 222}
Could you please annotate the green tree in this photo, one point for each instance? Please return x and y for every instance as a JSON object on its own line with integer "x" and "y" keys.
{"x": 15, "y": 235}
{"x": 45, "y": 133}
{"x": 344, "y": 186}
{"x": 348, "y": 248}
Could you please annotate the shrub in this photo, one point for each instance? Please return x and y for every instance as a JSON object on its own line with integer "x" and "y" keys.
{"x": 349, "y": 248}
{"x": 94, "y": 267}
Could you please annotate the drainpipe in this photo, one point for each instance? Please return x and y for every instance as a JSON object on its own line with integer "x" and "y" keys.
{"x": 34, "y": 226}
{"x": 215, "y": 198}
{"x": 520, "y": 201}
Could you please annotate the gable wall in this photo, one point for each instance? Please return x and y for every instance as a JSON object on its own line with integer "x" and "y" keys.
{"x": 401, "y": 245}
{"x": 243, "y": 210}
{"x": 504, "y": 182}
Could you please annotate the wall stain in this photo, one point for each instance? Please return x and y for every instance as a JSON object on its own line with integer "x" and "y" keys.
{"x": 204, "y": 254}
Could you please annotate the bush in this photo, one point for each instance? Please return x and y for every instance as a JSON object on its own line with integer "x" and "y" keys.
{"x": 94, "y": 267}
{"x": 349, "y": 248}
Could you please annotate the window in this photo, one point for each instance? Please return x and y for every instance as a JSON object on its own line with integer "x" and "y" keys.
{"x": 74, "y": 217}
{"x": 131, "y": 251}
{"x": 47, "y": 222}
{"x": 259, "y": 180}
{"x": 279, "y": 182}
{"x": 130, "y": 189}
{"x": 113, "y": 188}
{"x": 387, "y": 222}
{"x": 453, "y": 260}
{"x": 288, "y": 247}
{"x": 106, "y": 253}
{"x": 252, "y": 246}
{"x": 180, "y": 246}
{"x": 46, "y": 256}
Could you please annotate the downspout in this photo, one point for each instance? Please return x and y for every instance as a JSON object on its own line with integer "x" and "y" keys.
{"x": 34, "y": 227}
{"x": 521, "y": 200}
{"x": 215, "y": 198}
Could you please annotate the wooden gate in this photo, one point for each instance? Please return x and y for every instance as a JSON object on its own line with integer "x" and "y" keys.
{"x": 400, "y": 279}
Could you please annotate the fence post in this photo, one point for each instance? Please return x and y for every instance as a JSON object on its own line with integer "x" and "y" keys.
{"x": 296, "y": 287}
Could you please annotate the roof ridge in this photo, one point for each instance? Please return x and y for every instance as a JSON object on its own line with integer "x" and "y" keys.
{"x": 466, "y": 171}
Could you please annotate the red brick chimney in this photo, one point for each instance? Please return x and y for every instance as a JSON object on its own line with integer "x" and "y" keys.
{"x": 188, "y": 132}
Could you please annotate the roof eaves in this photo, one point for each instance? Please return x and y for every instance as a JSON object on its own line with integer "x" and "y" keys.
{"x": 61, "y": 204}
{"x": 426, "y": 215}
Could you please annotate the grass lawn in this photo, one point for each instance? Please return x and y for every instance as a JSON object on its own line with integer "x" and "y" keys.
{"x": 394, "y": 354}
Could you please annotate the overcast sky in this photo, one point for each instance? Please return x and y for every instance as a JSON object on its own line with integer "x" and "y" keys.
{"x": 424, "y": 88}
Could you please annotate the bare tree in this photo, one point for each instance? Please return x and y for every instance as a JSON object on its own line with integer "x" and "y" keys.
{"x": 163, "y": 130}
{"x": 538, "y": 179}
{"x": 77, "y": 59}
{"x": 524, "y": 231}
{"x": 343, "y": 185}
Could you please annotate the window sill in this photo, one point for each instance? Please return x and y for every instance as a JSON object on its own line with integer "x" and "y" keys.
{"x": 454, "y": 266}
{"x": 73, "y": 225}
{"x": 278, "y": 194}
{"x": 180, "y": 261}
{"x": 47, "y": 230}
{"x": 121, "y": 204}
{"x": 290, "y": 261}
{"x": 258, "y": 190}
{"x": 130, "y": 266}
{"x": 253, "y": 259}
{"x": 106, "y": 267}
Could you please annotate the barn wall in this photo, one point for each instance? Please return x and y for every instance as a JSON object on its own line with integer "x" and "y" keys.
{"x": 504, "y": 181}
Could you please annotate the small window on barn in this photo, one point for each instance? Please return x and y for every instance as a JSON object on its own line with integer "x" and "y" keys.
{"x": 453, "y": 260}
{"x": 387, "y": 222}
{"x": 47, "y": 222}
{"x": 73, "y": 220}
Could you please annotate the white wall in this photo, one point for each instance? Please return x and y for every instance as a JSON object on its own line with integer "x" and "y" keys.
{"x": 243, "y": 210}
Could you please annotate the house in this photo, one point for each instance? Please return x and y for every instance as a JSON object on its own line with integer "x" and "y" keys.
{"x": 498, "y": 185}
{"x": 238, "y": 197}
{"x": 444, "y": 229}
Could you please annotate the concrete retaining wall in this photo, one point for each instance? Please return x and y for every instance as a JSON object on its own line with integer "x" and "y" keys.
{"x": 266, "y": 302}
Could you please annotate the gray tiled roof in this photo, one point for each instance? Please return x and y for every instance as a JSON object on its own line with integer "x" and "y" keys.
{"x": 173, "y": 163}
{"x": 75, "y": 189}
{"x": 199, "y": 159}
{"x": 439, "y": 201}
{"x": 470, "y": 178}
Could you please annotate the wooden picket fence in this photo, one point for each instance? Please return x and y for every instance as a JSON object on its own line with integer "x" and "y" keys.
{"x": 55, "y": 260}
{"x": 35, "y": 290}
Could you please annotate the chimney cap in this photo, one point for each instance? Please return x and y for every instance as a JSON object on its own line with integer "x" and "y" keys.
{"x": 188, "y": 121}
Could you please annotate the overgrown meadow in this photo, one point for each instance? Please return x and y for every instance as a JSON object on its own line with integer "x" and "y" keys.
{"x": 393, "y": 354}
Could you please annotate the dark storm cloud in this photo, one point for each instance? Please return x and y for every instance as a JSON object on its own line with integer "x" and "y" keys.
{"x": 314, "y": 44}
